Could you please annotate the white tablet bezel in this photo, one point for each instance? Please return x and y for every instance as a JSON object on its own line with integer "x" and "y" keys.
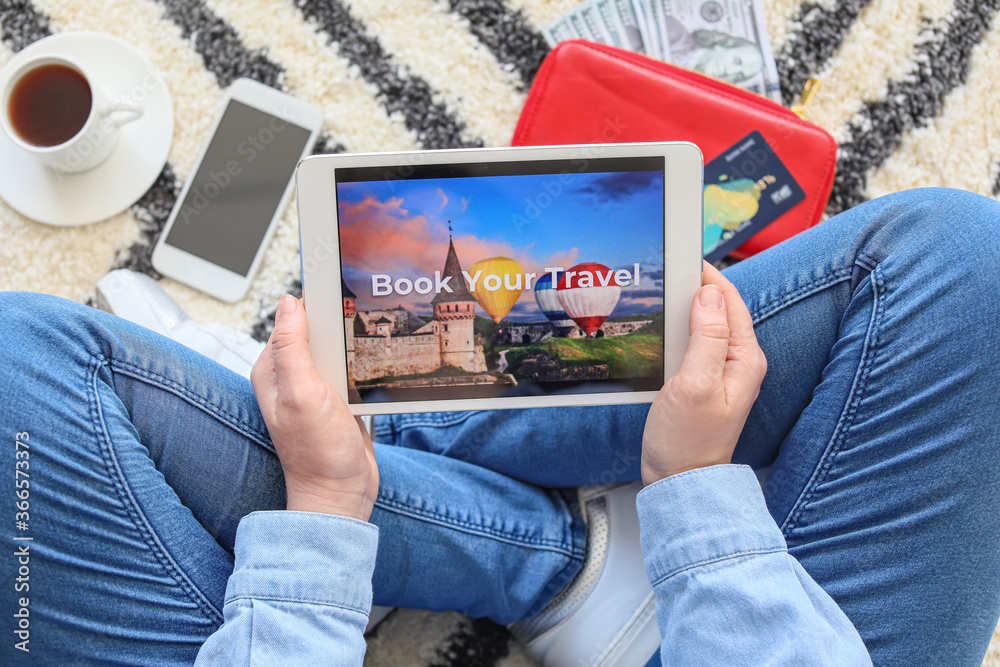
{"x": 200, "y": 273}
{"x": 321, "y": 275}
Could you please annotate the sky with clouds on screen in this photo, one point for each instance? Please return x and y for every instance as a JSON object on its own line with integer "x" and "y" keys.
{"x": 400, "y": 228}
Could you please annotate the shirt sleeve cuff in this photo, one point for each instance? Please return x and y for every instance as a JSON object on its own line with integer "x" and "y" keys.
{"x": 304, "y": 556}
{"x": 704, "y": 515}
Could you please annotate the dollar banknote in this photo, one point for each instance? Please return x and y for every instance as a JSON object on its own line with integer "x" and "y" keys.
{"x": 558, "y": 32}
{"x": 657, "y": 35}
{"x": 592, "y": 19}
{"x": 726, "y": 39}
{"x": 628, "y": 18}
{"x": 615, "y": 26}
{"x": 580, "y": 27}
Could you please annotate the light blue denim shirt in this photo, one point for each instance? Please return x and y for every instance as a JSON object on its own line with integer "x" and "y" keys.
{"x": 299, "y": 594}
{"x": 727, "y": 591}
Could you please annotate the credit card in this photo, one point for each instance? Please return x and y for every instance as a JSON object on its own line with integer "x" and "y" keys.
{"x": 746, "y": 188}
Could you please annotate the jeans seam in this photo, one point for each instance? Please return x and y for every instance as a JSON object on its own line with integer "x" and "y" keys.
{"x": 185, "y": 394}
{"x": 849, "y": 413}
{"x": 557, "y": 583}
{"x": 397, "y": 507}
{"x": 560, "y": 581}
{"x": 776, "y": 305}
{"x": 120, "y": 484}
{"x": 866, "y": 261}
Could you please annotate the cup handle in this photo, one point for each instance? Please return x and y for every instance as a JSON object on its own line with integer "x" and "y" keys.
{"x": 122, "y": 112}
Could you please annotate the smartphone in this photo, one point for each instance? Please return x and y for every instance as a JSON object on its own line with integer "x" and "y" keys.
{"x": 227, "y": 211}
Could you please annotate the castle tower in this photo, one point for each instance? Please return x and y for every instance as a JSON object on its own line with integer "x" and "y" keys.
{"x": 350, "y": 313}
{"x": 383, "y": 327}
{"x": 349, "y": 299}
{"x": 454, "y": 313}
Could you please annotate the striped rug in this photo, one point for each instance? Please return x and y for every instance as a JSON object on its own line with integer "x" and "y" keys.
{"x": 909, "y": 90}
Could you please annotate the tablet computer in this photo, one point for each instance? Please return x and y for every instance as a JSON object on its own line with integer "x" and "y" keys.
{"x": 500, "y": 278}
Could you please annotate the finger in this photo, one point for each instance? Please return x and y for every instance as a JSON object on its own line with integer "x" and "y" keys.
{"x": 747, "y": 363}
{"x": 262, "y": 375}
{"x": 708, "y": 346}
{"x": 740, "y": 322}
{"x": 294, "y": 369}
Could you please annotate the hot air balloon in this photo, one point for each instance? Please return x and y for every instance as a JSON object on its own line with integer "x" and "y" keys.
{"x": 589, "y": 293}
{"x": 548, "y": 302}
{"x": 498, "y": 286}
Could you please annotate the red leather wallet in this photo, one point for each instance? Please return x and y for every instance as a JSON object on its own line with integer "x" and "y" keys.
{"x": 588, "y": 93}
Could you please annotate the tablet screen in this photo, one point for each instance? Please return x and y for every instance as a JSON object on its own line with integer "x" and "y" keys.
{"x": 503, "y": 278}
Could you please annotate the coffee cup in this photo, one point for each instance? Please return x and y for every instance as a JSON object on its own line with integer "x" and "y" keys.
{"x": 55, "y": 110}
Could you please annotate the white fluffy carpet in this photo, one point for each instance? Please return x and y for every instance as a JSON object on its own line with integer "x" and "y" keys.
{"x": 909, "y": 89}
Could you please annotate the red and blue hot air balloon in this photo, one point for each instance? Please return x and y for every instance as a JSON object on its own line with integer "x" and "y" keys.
{"x": 589, "y": 293}
{"x": 548, "y": 301}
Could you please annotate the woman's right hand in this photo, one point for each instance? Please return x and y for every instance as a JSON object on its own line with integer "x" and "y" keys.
{"x": 699, "y": 413}
{"x": 325, "y": 452}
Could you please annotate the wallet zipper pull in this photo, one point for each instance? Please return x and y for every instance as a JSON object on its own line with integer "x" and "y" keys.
{"x": 808, "y": 93}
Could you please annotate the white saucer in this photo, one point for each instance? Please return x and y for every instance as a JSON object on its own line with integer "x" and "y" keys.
{"x": 143, "y": 145}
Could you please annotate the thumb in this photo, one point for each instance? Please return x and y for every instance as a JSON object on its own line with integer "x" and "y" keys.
{"x": 708, "y": 345}
{"x": 293, "y": 363}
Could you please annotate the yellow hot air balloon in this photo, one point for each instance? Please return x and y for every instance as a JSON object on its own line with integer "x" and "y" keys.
{"x": 497, "y": 285}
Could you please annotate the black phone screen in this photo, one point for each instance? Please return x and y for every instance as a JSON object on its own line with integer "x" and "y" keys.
{"x": 238, "y": 187}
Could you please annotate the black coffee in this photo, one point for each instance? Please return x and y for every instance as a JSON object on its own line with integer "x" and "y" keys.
{"x": 49, "y": 105}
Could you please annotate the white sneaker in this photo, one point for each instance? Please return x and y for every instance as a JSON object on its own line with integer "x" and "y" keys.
{"x": 376, "y": 616}
{"x": 606, "y": 617}
{"x": 138, "y": 298}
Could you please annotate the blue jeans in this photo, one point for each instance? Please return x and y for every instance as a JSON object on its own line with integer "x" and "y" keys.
{"x": 877, "y": 422}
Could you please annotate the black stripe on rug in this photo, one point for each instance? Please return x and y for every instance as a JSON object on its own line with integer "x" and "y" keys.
{"x": 478, "y": 642}
{"x": 151, "y": 212}
{"x": 820, "y": 32}
{"x": 262, "y": 328}
{"x": 324, "y": 147}
{"x": 507, "y": 34}
{"x": 996, "y": 183}
{"x": 942, "y": 63}
{"x": 219, "y": 45}
{"x": 21, "y": 24}
{"x": 398, "y": 90}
